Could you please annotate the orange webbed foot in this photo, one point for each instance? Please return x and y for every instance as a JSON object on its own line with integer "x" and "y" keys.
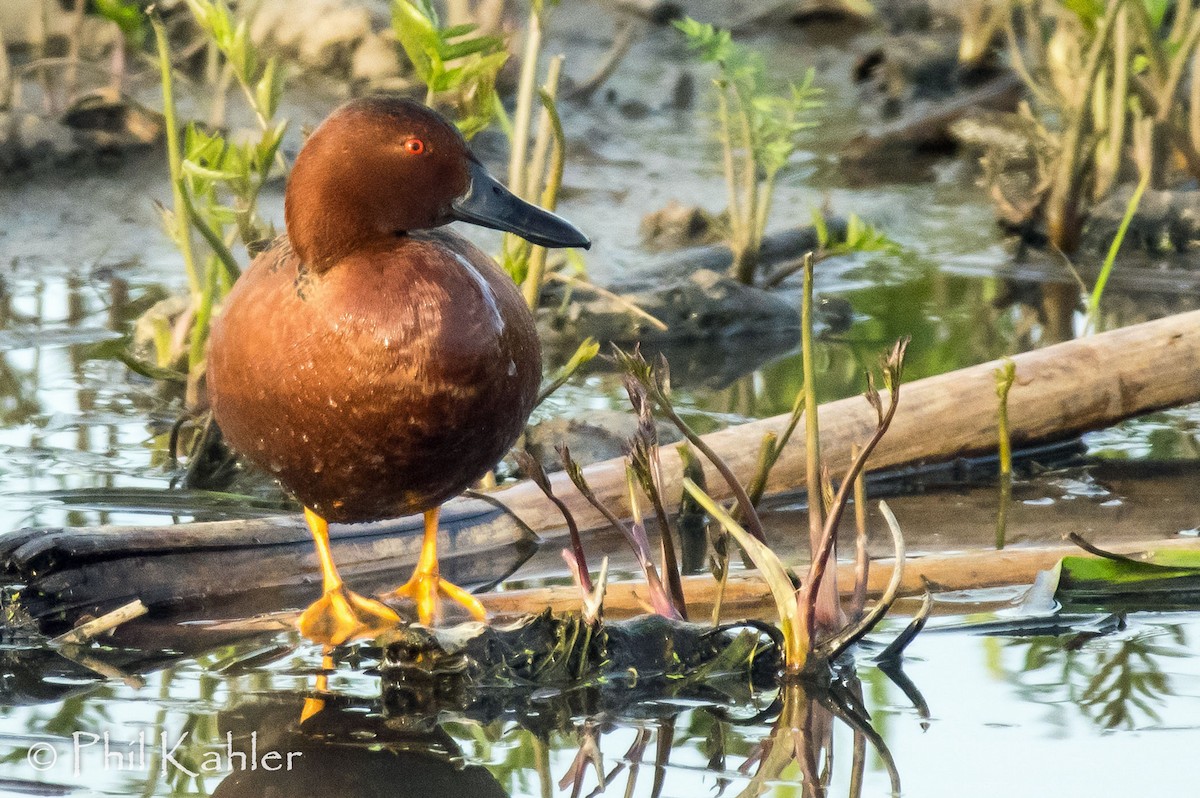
{"x": 423, "y": 588}
{"x": 341, "y": 615}
{"x": 426, "y": 582}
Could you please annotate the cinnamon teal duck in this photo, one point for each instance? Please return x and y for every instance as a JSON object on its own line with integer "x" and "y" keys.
{"x": 376, "y": 363}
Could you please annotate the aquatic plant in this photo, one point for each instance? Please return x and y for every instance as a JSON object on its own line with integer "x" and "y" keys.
{"x": 1095, "y": 69}
{"x": 592, "y": 594}
{"x": 1142, "y": 135}
{"x": 815, "y": 630}
{"x": 668, "y": 603}
{"x": 215, "y": 184}
{"x": 455, "y": 65}
{"x": 859, "y": 236}
{"x": 1006, "y": 375}
{"x": 758, "y": 131}
{"x": 6, "y": 80}
{"x": 798, "y": 609}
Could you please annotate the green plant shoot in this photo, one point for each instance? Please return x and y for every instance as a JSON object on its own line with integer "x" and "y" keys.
{"x": 461, "y": 67}
{"x": 216, "y": 182}
{"x": 1006, "y": 375}
{"x": 758, "y": 130}
{"x": 451, "y": 62}
{"x": 1110, "y": 259}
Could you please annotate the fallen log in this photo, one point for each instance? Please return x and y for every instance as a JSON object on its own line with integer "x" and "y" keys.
{"x": 927, "y": 130}
{"x": 244, "y": 566}
{"x": 1060, "y": 391}
{"x": 746, "y": 594}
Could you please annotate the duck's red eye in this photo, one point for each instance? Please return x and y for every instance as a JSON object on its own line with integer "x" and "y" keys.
{"x": 414, "y": 146}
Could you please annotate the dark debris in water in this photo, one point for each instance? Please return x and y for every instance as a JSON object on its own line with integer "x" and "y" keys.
{"x": 17, "y": 627}
{"x": 473, "y": 667}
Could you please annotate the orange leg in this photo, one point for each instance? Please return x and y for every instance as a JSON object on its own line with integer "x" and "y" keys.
{"x": 340, "y": 615}
{"x": 425, "y": 583}
{"x": 314, "y": 704}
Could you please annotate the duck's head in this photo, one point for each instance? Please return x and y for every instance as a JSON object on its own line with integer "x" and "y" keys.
{"x": 382, "y": 166}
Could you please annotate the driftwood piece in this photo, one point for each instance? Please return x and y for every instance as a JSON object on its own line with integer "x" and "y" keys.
{"x": 746, "y": 594}
{"x": 1060, "y": 391}
{"x": 927, "y": 130}
{"x": 238, "y": 566}
{"x": 88, "y": 631}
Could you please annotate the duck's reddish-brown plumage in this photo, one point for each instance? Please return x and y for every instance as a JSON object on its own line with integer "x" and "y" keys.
{"x": 375, "y": 366}
{"x": 383, "y": 386}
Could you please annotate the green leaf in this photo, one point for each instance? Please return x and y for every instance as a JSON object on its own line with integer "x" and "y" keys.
{"x": 480, "y": 45}
{"x": 821, "y": 228}
{"x": 118, "y": 349}
{"x": 713, "y": 45}
{"x": 268, "y": 146}
{"x": 587, "y": 350}
{"x": 242, "y": 54}
{"x": 193, "y": 169}
{"x": 455, "y": 31}
{"x": 418, "y": 36}
{"x": 773, "y": 572}
{"x": 1173, "y": 576}
{"x": 1088, "y": 11}
{"x": 127, "y": 14}
{"x": 863, "y": 237}
{"x": 269, "y": 89}
{"x": 202, "y": 147}
{"x": 1157, "y": 9}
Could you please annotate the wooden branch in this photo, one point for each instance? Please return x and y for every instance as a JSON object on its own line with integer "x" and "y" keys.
{"x": 1060, "y": 391}
{"x": 231, "y": 567}
{"x": 86, "y": 632}
{"x": 746, "y": 594}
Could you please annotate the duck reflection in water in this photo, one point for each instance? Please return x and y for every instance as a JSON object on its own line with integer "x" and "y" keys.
{"x": 351, "y": 754}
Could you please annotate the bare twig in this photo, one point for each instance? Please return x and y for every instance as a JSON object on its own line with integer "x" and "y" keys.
{"x": 579, "y": 282}
{"x": 628, "y": 30}
{"x": 98, "y": 666}
{"x": 88, "y": 631}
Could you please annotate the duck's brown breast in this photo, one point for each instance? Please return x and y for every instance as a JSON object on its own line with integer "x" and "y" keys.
{"x": 383, "y": 386}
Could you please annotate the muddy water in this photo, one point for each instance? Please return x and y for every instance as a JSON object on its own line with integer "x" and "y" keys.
{"x": 82, "y": 443}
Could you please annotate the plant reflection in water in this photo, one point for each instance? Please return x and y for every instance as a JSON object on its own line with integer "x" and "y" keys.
{"x": 1119, "y": 682}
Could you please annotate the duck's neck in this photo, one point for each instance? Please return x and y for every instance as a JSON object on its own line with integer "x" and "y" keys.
{"x": 322, "y": 226}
